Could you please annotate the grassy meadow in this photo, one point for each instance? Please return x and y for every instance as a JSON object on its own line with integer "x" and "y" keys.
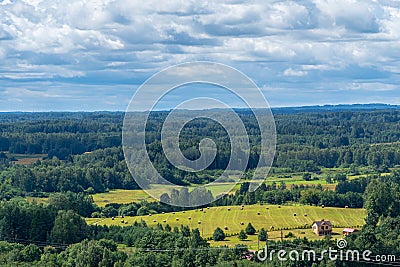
{"x": 234, "y": 218}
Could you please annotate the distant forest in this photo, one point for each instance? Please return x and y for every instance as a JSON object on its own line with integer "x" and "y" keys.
{"x": 306, "y": 141}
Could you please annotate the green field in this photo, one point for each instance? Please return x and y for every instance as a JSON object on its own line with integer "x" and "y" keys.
{"x": 127, "y": 196}
{"x": 282, "y": 217}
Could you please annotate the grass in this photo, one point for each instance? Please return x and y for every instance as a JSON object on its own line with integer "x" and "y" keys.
{"x": 214, "y": 217}
{"x": 121, "y": 196}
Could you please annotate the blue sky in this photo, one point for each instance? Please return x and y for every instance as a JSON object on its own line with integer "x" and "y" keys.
{"x": 92, "y": 55}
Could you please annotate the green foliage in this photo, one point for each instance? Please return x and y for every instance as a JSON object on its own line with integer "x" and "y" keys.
{"x": 307, "y": 176}
{"x": 68, "y": 228}
{"x": 262, "y": 235}
{"x": 218, "y": 235}
{"x": 250, "y": 230}
{"x": 242, "y": 235}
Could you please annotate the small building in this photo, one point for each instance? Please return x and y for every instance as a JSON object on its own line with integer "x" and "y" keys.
{"x": 322, "y": 227}
{"x": 349, "y": 231}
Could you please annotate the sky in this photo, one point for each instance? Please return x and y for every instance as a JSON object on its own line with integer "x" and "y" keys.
{"x": 92, "y": 55}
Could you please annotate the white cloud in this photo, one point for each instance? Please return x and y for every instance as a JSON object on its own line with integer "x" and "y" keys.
{"x": 292, "y": 72}
{"x": 125, "y": 42}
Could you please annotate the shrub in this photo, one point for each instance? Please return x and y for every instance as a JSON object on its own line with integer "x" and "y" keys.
{"x": 242, "y": 235}
{"x": 250, "y": 230}
{"x": 218, "y": 235}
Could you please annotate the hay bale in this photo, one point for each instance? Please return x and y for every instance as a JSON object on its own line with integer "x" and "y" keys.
{"x": 305, "y": 214}
{"x": 164, "y": 220}
{"x": 189, "y": 218}
{"x": 323, "y": 206}
{"x": 177, "y": 219}
{"x": 122, "y": 221}
{"x": 154, "y": 221}
{"x": 229, "y": 209}
{"x": 279, "y": 206}
{"x": 294, "y": 214}
{"x": 199, "y": 222}
{"x": 258, "y": 213}
{"x": 226, "y": 227}
{"x": 241, "y": 223}
{"x": 346, "y": 207}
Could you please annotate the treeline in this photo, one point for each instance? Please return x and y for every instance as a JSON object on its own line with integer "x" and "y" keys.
{"x": 59, "y": 134}
{"x": 95, "y": 172}
{"x": 306, "y": 141}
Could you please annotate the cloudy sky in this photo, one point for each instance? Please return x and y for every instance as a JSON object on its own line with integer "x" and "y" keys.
{"x": 93, "y": 55}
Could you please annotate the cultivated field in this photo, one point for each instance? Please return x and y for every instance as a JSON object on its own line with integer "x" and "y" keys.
{"x": 234, "y": 218}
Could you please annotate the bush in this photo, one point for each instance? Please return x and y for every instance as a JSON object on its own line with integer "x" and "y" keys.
{"x": 262, "y": 235}
{"x": 242, "y": 235}
{"x": 250, "y": 230}
{"x": 218, "y": 235}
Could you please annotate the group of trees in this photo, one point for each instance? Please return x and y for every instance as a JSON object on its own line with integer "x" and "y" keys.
{"x": 306, "y": 141}
{"x": 346, "y": 195}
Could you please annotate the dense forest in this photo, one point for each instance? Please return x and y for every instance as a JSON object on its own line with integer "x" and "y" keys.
{"x": 306, "y": 142}
{"x": 82, "y": 155}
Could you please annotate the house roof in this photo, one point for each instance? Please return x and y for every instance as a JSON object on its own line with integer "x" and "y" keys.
{"x": 349, "y": 230}
{"x": 322, "y": 222}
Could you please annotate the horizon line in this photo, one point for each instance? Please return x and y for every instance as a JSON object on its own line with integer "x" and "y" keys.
{"x": 238, "y": 108}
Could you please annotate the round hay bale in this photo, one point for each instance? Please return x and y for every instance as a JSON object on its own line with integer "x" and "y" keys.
{"x": 267, "y": 208}
{"x": 189, "y": 218}
{"x": 177, "y": 219}
{"x": 258, "y": 213}
{"x": 229, "y": 209}
{"x": 226, "y": 227}
{"x": 271, "y": 227}
{"x": 164, "y": 220}
{"x": 122, "y": 221}
{"x": 241, "y": 223}
{"x": 323, "y": 206}
{"x": 279, "y": 206}
{"x": 305, "y": 214}
{"x": 113, "y": 218}
{"x": 199, "y": 222}
{"x": 346, "y": 207}
{"x": 154, "y": 221}
{"x": 294, "y": 214}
